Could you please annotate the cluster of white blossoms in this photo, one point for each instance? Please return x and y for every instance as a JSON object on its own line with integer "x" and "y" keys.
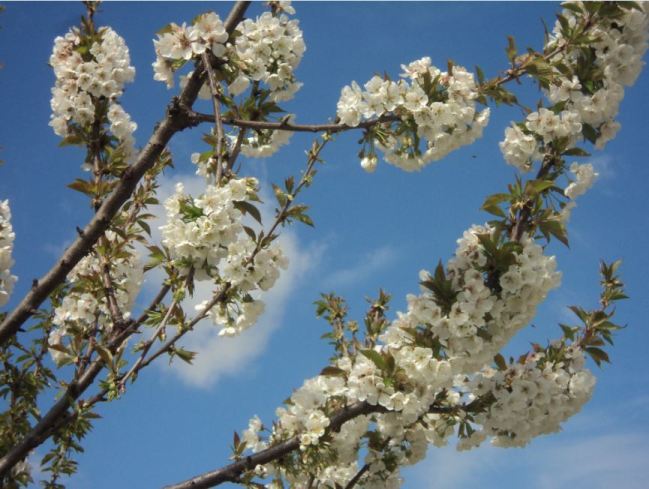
{"x": 522, "y": 147}
{"x": 530, "y": 399}
{"x": 617, "y": 53}
{"x": 433, "y": 106}
{"x": 481, "y": 320}
{"x": 85, "y": 75}
{"x": 7, "y": 236}
{"x": 269, "y": 48}
{"x": 206, "y": 235}
{"x": 585, "y": 176}
{"x": 266, "y": 50}
{"x": 86, "y": 306}
{"x": 177, "y": 44}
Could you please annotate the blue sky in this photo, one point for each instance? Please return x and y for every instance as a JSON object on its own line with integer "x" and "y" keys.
{"x": 371, "y": 231}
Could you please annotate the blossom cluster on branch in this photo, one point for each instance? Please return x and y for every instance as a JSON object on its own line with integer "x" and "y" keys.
{"x": 91, "y": 69}
{"x": 205, "y": 235}
{"x": 585, "y": 87}
{"x": 436, "y": 113}
{"x": 7, "y": 236}
{"x": 429, "y": 374}
{"x": 86, "y": 307}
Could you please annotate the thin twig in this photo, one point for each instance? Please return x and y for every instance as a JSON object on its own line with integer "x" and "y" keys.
{"x": 216, "y": 104}
{"x": 285, "y": 125}
{"x": 234, "y": 154}
{"x": 147, "y": 346}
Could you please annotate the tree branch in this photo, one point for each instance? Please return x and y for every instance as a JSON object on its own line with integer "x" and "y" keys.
{"x": 357, "y": 477}
{"x": 58, "y": 415}
{"x": 176, "y": 120}
{"x": 231, "y": 473}
{"x": 198, "y": 117}
{"x": 216, "y": 104}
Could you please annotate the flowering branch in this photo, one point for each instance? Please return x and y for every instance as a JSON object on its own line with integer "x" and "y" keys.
{"x": 287, "y": 125}
{"x": 175, "y": 121}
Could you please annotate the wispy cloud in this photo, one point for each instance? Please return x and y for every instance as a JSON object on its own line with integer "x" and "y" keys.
{"x": 219, "y": 356}
{"x": 364, "y": 268}
{"x": 446, "y": 468}
{"x": 604, "y": 165}
{"x": 604, "y": 461}
{"x": 598, "y": 453}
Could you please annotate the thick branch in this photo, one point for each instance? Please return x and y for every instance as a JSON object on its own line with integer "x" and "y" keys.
{"x": 175, "y": 120}
{"x": 230, "y": 473}
{"x": 58, "y": 415}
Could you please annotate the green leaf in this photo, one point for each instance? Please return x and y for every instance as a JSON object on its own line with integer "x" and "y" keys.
{"x": 248, "y": 208}
{"x": 82, "y": 186}
{"x": 145, "y": 226}
{"x": 298, "y": 212}
{"x": 535, "y": 187}
{"x": 500, "y": 362}
{"x": 72, "y": 140}
{"x": 581, "y": 314}
{"x": 305, "y": 219}
{"x": 553, "y": 226}
{"x": 576, "y": 152}
{"x": 491, "y": 204}
{"x": 184, "y": 355}
{"x": 568, "y": 331}
{"x": 280, "y": 195}
{"x": 250, "y": 232}
{"x": 376, "y": 358}
{"x": 573, "y": 7}
{"x": 105, "y": 355}
{"x": 165, "y": 30}
{"x": 189, "y": 210}
{"x": 333, "y": 372}
{"x": 598, "y": 355}
{"x": 511, "y": 48}
{"x": 480, "y": 74}
{"x": 589, "y": 133}
{"x": 565, "y": 25}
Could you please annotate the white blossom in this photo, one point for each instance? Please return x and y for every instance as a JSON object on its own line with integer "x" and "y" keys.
{"x": 585, "y": 176}
{"x": 7, "y": 237}
{"x": 270, "y": 49}
{"x": 80, "y": 84}
{"x": 205, "y": 234}
{"x": 443, "y": 124}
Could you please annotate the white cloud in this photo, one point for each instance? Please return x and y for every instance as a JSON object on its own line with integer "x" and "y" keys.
{"x": 446, "y": 468}
{"x": 603, "y": 461}
{"x": 598, "y": 452}
{"x": 219, "y": 356}
{"x": 604, "y": 165}
{"x": 371, "y": 263}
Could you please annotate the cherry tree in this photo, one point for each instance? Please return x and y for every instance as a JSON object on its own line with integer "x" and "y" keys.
{"x": 395, "y": 384}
